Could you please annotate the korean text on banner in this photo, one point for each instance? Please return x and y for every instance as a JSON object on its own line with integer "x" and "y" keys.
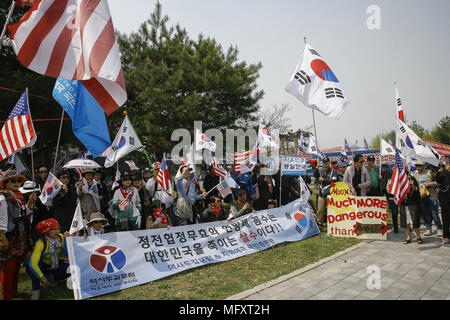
{"x": 116, "y": 261}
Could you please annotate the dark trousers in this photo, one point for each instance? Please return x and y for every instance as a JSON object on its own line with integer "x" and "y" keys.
{"x": 394, "y": 210}
{"x": 445, "y": 212}
{"x": 374, "y": 192}
{"x": 58, "y": 274}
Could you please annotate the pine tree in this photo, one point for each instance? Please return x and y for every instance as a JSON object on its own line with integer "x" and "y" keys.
{"x": 173, "y": 80}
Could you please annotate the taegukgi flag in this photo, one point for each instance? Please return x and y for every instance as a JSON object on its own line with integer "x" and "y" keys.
{"x": 202, "y": 141}
{"x": 316, "y": 86}
{"x": 413, "y": 146}
{"x": 125, "y": 142}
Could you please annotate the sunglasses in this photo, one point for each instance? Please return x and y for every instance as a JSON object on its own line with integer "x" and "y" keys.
{"x": 14, "y": 180}
{"x": 46, "y": 171}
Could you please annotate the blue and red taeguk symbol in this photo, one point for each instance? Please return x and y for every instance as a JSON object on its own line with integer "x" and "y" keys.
{"x": 301, "y": 219}
{"x": 108, "y": 259}
{"x": 122, "y": 142}
{"x": 323, "y": 71}
{"x": 205, "y": 138}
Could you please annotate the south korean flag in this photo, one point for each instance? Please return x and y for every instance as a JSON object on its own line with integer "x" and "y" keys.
{"x": 316, "y": 86}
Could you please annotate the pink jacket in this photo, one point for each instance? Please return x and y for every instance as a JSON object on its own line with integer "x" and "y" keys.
{"x": 365, "y": 179}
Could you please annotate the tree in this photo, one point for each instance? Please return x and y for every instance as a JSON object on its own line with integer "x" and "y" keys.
{"x": 441, "y": 132}
{"x": 276, "y": 118}
{"x": 173, "y": 80}
{"x": 376, "y": 143}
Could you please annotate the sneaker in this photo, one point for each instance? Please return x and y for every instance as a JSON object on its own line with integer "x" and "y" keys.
{"x": 446, "y": 241}
{"x": 428, "y": 233}
{"x": 439, "y": 233}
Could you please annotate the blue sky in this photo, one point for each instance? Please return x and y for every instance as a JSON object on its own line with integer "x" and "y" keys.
{"x": 412, "y": 48}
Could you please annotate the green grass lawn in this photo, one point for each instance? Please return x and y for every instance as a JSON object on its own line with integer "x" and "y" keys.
{"x": 219, "y": 280}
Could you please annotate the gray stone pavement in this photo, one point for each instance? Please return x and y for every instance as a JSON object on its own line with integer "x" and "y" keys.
{"x": 407, "y": 272}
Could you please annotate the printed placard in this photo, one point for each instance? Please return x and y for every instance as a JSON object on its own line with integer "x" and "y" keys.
{"x": 355, "y": 217}
{"x": 119, "y": 260}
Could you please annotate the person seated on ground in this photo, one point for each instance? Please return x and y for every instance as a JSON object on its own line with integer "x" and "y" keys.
{"x": 271, "y": 204}
{"x": 214, "y": 212}
{"x": 96, "y": 224}
{"x": 158, "y": 218}
{"x": 49, "y": 260}
{"x": 241, "y": 206}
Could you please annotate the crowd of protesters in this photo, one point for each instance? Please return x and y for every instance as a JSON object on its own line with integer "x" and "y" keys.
{"x": 34, "y": 235}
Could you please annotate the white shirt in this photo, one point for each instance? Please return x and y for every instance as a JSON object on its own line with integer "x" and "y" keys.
{"x": 3, "y": 214}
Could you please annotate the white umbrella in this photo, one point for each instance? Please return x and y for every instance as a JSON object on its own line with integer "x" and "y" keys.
{"x": 81, "y": 163}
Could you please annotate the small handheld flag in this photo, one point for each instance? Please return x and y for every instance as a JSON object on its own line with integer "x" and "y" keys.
{"x": 18, "y": 131}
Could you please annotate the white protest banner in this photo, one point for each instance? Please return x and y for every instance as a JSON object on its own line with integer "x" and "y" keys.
{"x": 355, "y": 217}
{"x": 293, "y": 166}
{"x": 119, "y": 260}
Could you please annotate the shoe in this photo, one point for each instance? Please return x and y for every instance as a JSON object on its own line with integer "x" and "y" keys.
{"x": 395, "y": 229}
{"x": 446, "y": 241}
{"x": 439, "y": 233}
{"x": 419, "y": 240}
{"x": 407, "y": 241}
{"x": 428, "y": 233}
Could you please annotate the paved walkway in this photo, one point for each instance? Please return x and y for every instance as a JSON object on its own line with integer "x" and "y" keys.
{"x": 407, "y": 272}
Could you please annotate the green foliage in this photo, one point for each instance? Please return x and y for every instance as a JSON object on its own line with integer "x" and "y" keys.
{"x": 375, "y": 142}
{"x": 173, "y": 80}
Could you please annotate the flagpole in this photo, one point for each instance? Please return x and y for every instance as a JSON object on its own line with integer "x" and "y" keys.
{"x": 146, "y": 155}
{"x": 11, "y": 9}
{"x": 59, "y": 137}
{"x": 315, "y": 133}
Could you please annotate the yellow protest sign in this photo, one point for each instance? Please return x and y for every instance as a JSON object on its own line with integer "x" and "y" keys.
{"x": 354, "y": 216}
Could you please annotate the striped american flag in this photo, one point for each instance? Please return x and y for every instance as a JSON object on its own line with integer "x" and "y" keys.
{"x": 18, "y": 132}
{"x": 399, "y": 182}
{"x": 218, "y": 168}
{"x": 163, "y": 177}
{"x": 122, "y": 204}
{"x": 73, "y": 39}
{"x": 245, "y": 161}
{"x": 224, "y": 188}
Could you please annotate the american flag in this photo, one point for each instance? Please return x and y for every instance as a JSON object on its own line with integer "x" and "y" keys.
{"x": 245, "y": 161}
{"x": 163, "y": 177}
{"x": 224, "y": 188}
{"x": 18, "y": 131}
{"x": 72, "y": 39}
{"x": 122, "y": 204}
{"x": 399, "y": 182}
{"x": 218, "y": 168}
